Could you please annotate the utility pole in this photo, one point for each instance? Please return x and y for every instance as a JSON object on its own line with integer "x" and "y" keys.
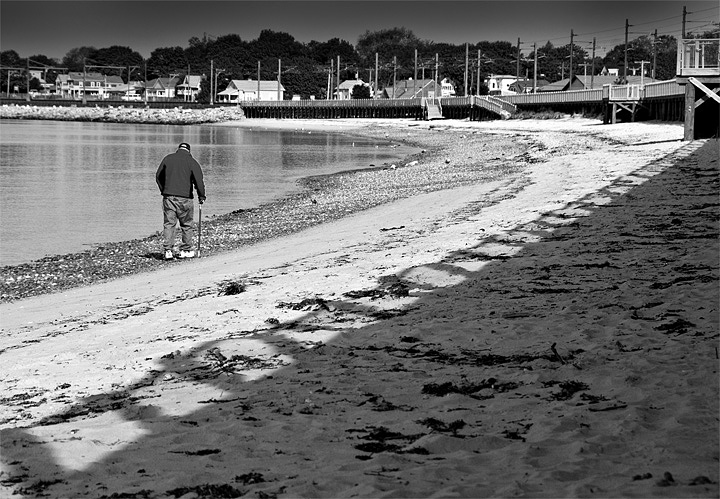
{"x": 258, "y": 79}
{"x": 654, "y": 64}
{"x": 376, "y": 75}
{"x": 330, "y": 73}
{"x": 415, "y": 76}
{"x": 278, "y": 80}
{"x": 394, "y": 75}
{"x": 10, "y": 71}
{"x": 84, "y": 99}
{"x": 626, "y": 51}
{"x": 683, "y": 21}
{"x": 572, "y": 36}
{"x": 478, "y": 76}
{"x": 435, "y": 79}
{"x": 337, "y": 79}
{"x": 534, "y": 68}
{"x": 467, "y": 47}
{"x": 211, "y": 82}
{"x": 592, "y": 72}
{"x": 517, "y": 67}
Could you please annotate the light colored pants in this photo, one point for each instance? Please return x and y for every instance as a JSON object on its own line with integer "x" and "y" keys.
{"x": 177, "y": 209}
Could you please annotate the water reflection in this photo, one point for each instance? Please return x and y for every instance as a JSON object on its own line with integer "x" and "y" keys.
{"x": 67, "y": 185}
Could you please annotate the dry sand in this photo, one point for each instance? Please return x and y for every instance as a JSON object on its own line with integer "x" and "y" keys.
{"x": 552, "y": 333}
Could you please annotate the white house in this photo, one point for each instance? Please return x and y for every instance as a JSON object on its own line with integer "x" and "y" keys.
{"x": 161, "y": 88}
{"x": 447, "y": 89}
{"x": 344, "y": 91}
{"x": 246, "y": 90}
{"x": 500, "y": 84}
{"x": 189, "y": 88}
{"x": 77, "y": 84}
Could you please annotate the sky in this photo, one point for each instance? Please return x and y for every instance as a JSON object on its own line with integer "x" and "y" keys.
{"x": 54, "y": 27}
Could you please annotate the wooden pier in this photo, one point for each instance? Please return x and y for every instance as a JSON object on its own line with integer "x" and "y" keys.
{"x": 698, "y": 72}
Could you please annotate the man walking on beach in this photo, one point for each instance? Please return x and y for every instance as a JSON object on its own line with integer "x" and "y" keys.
{"x": 177, "y": 174}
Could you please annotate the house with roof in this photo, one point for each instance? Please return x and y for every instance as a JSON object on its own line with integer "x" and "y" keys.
{"x": 247, "y": 90}
{"x": 447, "y": 89}
{"x": 161, "y": 88}
{"x": 582, "y": 82}
{"x": 344, "y": 90}
{"x": 131, "y": 91}
{"x": 500, "y": 84}
{"x": 77, "y": 84}
{"x": 412, "y": 89}
{"x": 189, "y": 89}
{"x": 606, "y": 71}
{"x": 587, "y": 82}
{"x": 526, "y": 85}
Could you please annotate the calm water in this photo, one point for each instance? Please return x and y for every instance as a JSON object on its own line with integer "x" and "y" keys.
{"x": 67, "y": 185}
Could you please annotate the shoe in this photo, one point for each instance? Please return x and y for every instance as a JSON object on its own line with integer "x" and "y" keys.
{"x": 187, "y": 254}
{"x": 169, "y": 255}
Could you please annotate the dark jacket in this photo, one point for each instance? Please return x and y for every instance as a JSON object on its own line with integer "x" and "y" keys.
{"x": 177, "y": 174}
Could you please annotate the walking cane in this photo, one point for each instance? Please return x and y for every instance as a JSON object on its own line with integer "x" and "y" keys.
{"x": 199, "y": 228}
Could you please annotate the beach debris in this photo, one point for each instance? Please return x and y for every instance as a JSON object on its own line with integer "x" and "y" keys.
{"x": 557, "y": 355}
{"x": 667, "y": 480}
{"x": 250, "y": 478}
{"x": 604, "y": 406}
{"x": 389, "y": 286}
{"x": 215, "y": 354}
{"x": 567, "y": 389}
{"x": 489, "y": 387}
{"x": 517, "y": 433}
{"x": 381, "y": 405}
{"x": 385, "y": 229}
{"x": 443, "y": 427}
{"x": 701, "y": 480}
{"x": 207, "y": 490}
{"x": 622, "y": 348}
{"x": 307, "y": 305}
{"x": 230, "y": 287}
{"x": 679, "y": 326}
{"x": 223, "y": 312}
{"x": 379, "y": 437}
{"x": 644, "y": 476}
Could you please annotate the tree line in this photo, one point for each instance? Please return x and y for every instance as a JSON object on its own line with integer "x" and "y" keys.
{"x": 310, "y": 68}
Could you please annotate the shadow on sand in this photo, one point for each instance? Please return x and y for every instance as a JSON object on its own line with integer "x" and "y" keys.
{"x": 577, "y": 356}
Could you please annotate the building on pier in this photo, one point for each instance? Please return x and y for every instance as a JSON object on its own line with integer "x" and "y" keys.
{"x": 698, "y": 71}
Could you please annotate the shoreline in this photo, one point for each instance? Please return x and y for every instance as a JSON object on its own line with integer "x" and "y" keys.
{"x": 321, "y": 199}
{"x": 554, "y": 327}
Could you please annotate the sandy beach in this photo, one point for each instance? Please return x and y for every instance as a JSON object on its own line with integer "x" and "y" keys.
{"x": 545, "y": 324}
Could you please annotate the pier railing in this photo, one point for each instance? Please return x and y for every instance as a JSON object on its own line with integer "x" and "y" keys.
{"x": 662, "y": 89}
{"x": 346, "y": 103}
{"x": 570, "y": 96}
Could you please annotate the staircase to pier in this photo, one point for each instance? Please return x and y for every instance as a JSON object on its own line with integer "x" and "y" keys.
{"x": 433, "y": 110}
{"x": 498, "y": 106}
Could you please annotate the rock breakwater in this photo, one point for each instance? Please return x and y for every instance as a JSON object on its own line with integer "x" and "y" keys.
{"x": 173, "y": 116}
